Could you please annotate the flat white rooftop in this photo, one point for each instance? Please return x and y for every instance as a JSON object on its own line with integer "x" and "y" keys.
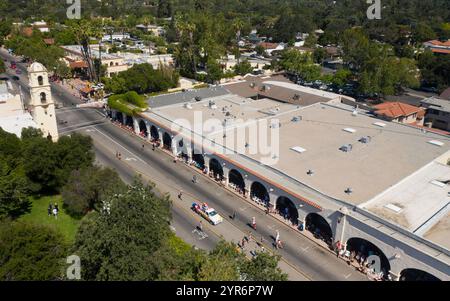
{"x": 418, "y": 202}
{"x": 390, "y": 153}
{"x": 15, "y": 124}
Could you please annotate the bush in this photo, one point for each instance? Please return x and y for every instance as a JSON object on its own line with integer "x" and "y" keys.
{"x": 142, "y": 79}
{"x": 87, "y": 188}
{"x": 120, "y": 103}
{"x": 30, "y": 252}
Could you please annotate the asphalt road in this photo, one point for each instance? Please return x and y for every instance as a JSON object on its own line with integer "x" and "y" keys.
{"x": 312, "y": 260}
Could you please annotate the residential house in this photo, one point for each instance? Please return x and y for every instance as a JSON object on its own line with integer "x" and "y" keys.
{"x": 399, "y": 112}
{"x": 271, "y": 47}
{"x": 438, "y": 47}
{"x": 41, "y": 26}
{"x": 155, "y": 29}
{"x": 438, "y": 113}
{"x": 115, "y": 37}
{"x": 114, "y": 63}
{"x": 230, "y": 61}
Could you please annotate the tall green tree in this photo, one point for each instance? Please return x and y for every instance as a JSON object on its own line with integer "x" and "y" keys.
{"x": 118, "y": 243}
{"x": 86, "y": 188}
{"x": 263, "y": 267}
{"x": 301, "y": 63}
{"x": 14, "y": 184}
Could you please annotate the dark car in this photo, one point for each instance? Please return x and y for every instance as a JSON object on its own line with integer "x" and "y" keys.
{"x": 14, "y": 77}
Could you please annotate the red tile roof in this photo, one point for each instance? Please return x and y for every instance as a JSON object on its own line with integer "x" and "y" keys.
{"x": 79, "y": 64}
{"x": 396, "y": 109}
{"x": 439, "y": 43}
{"x": 266, "y": 45}
{"x": 437, "y": 50}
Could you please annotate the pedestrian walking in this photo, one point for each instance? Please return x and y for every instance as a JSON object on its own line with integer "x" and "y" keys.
{"x": 143, "y": 146}
{"x": 55, "y": 213}
{"x": 233, "y": 217}
{"x": 279, "y": 245}
{"x": 200, "y": 226}
{"x": 180, "y": 195}
{"x": 254, "y": 223}
{"x": 153, "y": 147}
{"x": 57, "y": 208}
{"x": 194, "y": 179}
{"x": 277, "y": 237}
{"x": 49, "y": 209}
{"x": 119, "y": 156}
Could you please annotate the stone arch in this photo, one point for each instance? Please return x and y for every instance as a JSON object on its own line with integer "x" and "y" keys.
{"x": 319, "y": 226}
{"x": 216, "y": 169}
{"x": 143, "y": 131}
{"x": 286, "y": 208}
{"x": 236, "y": 178}
{"x": 417, "y": 275}
{"x": 167, "y": 141}
{"x": 182, "y": 148}
{"x": 154, "y": 133}
{"x": 259, "y": 193}
{"x": 198, "y": 158}
{"x": 129, "y": 121}
{"x": 119, "y": 117}
{"x": 366, "y": 248}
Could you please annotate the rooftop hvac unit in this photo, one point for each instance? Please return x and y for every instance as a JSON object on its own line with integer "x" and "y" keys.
{"x": 348, "y": 190}
{"x": 365, "y": 139}
{"x": 296, "y": 97}
{"x": 346, "y": 148}
{"x": 296, "y": 119}
{"x": 188, "y": 106}
{"x": 198, "y": 98}
{"x": 252, "y": 85}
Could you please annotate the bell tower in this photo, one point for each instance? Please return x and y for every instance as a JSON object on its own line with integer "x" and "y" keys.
{"x": 42, "y": 101}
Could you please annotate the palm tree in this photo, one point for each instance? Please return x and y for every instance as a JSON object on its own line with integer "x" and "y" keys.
{"x": 84, "y": 31}
{"x": 183, "y": 27}
{"x": 238, "y": 25}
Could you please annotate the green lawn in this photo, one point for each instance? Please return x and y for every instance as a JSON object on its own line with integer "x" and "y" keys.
{"x": 64, "y": 224}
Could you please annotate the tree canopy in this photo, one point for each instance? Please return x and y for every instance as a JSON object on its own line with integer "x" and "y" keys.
{"x": 35, "y": 164}
{"x": 30, "y": 252}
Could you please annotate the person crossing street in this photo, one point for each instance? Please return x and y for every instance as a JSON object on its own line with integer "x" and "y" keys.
{"x": 254, "y": 223}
